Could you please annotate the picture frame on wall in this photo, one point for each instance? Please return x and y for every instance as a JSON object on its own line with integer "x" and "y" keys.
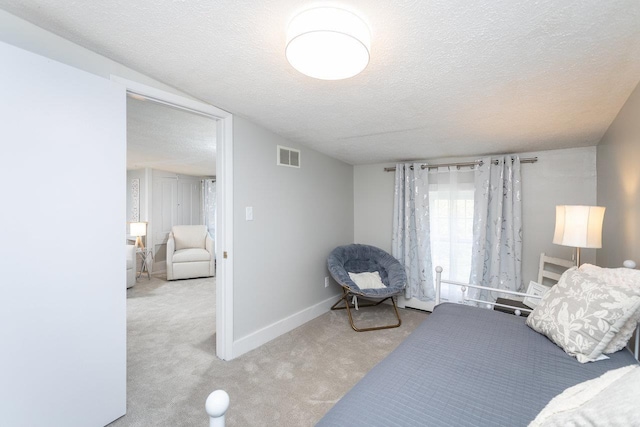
{"x": 535, "y": 289}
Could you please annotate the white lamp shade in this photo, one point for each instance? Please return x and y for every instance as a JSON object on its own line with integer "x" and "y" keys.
{"x": 138, "y": 229}
{"x": 579, "y": 226}
{"x": 328, "y": 43}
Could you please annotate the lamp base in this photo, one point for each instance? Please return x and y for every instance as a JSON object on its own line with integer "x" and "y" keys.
{"x": 139, "y": 242}
{"x": 578, "y": 257}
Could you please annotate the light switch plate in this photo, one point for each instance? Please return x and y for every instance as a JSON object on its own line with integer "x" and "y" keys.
{"x": 249, "y": 213}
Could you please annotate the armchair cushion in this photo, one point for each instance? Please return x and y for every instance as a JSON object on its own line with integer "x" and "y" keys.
{"x": 191, "y": 255}
{"x": 189, "y": 236}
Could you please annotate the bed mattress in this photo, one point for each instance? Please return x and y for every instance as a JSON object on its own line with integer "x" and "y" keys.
{"x": 466, "y": 366}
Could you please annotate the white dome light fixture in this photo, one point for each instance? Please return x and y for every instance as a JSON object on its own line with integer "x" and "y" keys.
{"x": 328, "y": 43}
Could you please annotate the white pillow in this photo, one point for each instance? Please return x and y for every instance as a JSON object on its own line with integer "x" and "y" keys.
{"x": 582, "y": 314}
{"x": 628, "y": 279}
{"x": 609, "y": 400}
{"x": 367, "y": 280}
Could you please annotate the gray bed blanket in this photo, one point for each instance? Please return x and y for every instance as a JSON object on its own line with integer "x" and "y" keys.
{"x": 466, "y": 366}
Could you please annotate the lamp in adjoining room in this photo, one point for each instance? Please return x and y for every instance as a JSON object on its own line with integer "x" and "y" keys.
{"x": 328, "y": 43}
{"x": 579, "y": 226}
{"x": 138, "y": 229}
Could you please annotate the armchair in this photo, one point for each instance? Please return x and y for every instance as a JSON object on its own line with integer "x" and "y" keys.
{"x": 190, "y": 253}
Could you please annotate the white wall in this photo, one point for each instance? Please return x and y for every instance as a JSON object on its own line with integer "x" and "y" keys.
{"x": 160, "y": 222}
{"x": 559, "y": 177}
{"x": 62, "y": 292}
{"x": 300, "y": 215}
{"x": 619, "y": 185}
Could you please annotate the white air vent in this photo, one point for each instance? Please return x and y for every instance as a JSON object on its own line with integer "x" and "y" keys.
{"x": 288, "y": 157}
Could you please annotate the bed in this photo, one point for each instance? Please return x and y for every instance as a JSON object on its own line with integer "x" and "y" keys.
{"x": 466, "y": 366}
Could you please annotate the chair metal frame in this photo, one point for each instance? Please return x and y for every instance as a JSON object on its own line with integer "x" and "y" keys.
{"x": 348, "y": 307}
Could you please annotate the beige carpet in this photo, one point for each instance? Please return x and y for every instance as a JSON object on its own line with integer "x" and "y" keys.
{"x": 291, "y": 381}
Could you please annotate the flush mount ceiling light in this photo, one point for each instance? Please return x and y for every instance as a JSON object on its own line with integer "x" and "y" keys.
{"x": 328, "y": 43}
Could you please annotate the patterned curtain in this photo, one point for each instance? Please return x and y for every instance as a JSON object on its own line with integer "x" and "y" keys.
{"x": 496, "y": 259}
{"x": 411, "y": 241}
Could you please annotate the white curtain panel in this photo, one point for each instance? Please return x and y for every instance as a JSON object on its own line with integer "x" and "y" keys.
{"x": 496, "y": 259}
{"x": 411, "y": 241}
{"x": 210, "y": 207}
{"x": 451, "y": 198}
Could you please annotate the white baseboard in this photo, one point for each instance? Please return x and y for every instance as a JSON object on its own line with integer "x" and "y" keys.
{"x": 266, "y": 334}
{"x": 415, "y": 303}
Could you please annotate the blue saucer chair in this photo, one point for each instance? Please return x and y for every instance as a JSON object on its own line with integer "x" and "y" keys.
{"x": 358, "y": 258}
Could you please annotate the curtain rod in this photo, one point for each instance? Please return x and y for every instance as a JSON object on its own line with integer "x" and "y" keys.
{"x": 463, "y": 164}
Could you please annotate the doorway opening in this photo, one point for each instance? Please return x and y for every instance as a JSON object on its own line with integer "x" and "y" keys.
{"x": 170, "y": 163}
{"x": 223, "y": 195}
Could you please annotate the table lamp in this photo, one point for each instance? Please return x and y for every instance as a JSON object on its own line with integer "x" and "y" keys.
{"x": 138, "y": 229}
{"x": 579, "y": 226}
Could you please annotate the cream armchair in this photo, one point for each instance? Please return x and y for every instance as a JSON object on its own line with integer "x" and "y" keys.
{"x": 190, "y": 253}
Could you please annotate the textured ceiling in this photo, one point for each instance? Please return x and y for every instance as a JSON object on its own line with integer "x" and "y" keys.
{"x": 446, "y": 77}
{"x": 169, "y": 139}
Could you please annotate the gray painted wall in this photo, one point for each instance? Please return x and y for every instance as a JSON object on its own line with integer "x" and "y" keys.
{"x": 619, "y": 185}
{"x": 559, "y": 177}
{"x": 300, "y": 215}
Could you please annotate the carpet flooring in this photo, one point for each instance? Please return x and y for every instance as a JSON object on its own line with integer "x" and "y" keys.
{"x": 291, "y": 381}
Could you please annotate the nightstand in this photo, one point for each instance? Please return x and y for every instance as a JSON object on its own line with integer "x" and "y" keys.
{"x": 147, "y": 257}
{"x": 514, "y": 303}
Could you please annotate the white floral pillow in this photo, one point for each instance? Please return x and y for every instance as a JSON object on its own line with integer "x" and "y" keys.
{"x": 625, "y": 277}
{"x": 582, "y": 314}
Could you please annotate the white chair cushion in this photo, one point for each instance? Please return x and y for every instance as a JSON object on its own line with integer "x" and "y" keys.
{"x": 367, "y": 280}
{"x": 191, "y": 255}
{"x": 189, "y": 236}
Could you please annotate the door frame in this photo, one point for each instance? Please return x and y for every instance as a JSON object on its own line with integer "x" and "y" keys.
{"x": 224, "y": 202}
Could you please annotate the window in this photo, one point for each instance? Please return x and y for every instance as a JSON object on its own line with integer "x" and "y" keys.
{"x": 451, "y": 195}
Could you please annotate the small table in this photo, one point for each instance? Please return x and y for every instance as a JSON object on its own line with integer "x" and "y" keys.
{"x": 146, "y": 254}
{"x": 514, "y": 303}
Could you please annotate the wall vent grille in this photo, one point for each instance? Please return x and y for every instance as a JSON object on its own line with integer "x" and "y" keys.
{"x": 288, "y": 157}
